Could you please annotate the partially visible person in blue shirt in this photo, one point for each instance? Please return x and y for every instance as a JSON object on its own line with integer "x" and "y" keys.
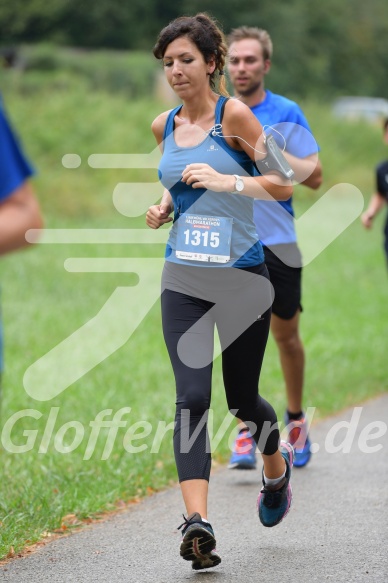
{"x": 249, "y": 61}
{"x": 19, "y": 208}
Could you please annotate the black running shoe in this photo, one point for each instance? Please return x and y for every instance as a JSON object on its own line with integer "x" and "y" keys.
{"x": 198, "y": 543}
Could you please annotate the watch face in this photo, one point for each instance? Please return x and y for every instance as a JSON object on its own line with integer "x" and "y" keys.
{"x": 239, "y": 185}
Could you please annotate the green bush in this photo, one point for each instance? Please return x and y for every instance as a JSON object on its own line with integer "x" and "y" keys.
{"x": 129, "y": 73}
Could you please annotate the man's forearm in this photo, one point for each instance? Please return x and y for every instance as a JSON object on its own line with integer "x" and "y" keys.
{"x": 308, "y": 171}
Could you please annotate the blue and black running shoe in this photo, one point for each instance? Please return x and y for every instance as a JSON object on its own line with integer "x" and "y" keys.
{"x": 274, "y": 503}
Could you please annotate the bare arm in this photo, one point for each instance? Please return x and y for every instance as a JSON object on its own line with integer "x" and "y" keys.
{"x": 308, "y": 171}
{"x": 376, "y": 203}
{"x": 18, "y": 213}
{"x": 158, "y": 214}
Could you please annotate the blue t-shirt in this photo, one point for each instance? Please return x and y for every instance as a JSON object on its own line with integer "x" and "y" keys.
{"x": 14, "y": 170}
{"x": 235, "y": 209}
{"x": 275, "y": 219}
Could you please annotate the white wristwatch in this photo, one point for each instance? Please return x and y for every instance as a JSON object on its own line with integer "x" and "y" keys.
{"x": 239, "y": 184}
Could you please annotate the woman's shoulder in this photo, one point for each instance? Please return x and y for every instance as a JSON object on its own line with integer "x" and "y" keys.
{"x": 235, "y": 107}
{"x": 158, "y": 125}
{"x": 238, "y": 117}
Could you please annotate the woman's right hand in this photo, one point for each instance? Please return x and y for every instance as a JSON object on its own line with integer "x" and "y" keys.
{"x": 158, "y": 215}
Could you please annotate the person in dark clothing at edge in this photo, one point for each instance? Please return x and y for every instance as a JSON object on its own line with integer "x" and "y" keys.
{"x": 379, "y": 199}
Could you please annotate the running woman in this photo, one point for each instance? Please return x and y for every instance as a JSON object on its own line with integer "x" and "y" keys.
{"x": 214, "y": 272}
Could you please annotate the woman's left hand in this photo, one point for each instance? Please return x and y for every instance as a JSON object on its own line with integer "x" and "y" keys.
{"x": 204, "y": 176}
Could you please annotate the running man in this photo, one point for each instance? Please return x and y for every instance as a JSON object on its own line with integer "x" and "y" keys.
{"x": 250, "y": 52}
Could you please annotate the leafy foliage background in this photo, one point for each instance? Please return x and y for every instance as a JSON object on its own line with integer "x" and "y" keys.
{"x": 322, "y": 48}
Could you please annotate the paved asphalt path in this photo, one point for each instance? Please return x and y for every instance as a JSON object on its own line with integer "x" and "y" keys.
{"x": 337, "y": 529}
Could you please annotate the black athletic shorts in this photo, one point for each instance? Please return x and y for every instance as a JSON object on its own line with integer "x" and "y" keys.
{"x": 286, "y": 280}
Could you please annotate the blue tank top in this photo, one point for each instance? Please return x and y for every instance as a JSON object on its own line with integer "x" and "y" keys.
{"x": 245, "y": 249}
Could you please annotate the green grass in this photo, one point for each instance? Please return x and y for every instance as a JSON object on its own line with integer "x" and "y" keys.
{"x": 343, "y": 324}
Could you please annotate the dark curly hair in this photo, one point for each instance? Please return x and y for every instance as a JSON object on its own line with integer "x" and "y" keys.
{"x": 204, "y": 32}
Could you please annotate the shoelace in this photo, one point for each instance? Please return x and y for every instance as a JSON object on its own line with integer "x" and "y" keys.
{"x": 195, "y": 519}
{"x": 272, "y": 499}
{"x": 186, "y": 522}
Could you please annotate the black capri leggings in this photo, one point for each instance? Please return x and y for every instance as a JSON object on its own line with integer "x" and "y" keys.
{"x": 238, "y": 302}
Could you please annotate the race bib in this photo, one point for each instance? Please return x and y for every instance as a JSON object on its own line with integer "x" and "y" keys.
{"x": 202, "y": 238}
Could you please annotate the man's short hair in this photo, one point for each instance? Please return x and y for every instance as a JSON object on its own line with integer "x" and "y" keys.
{"x": 259, "y": 34}
{"x": 385, "y": 124}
